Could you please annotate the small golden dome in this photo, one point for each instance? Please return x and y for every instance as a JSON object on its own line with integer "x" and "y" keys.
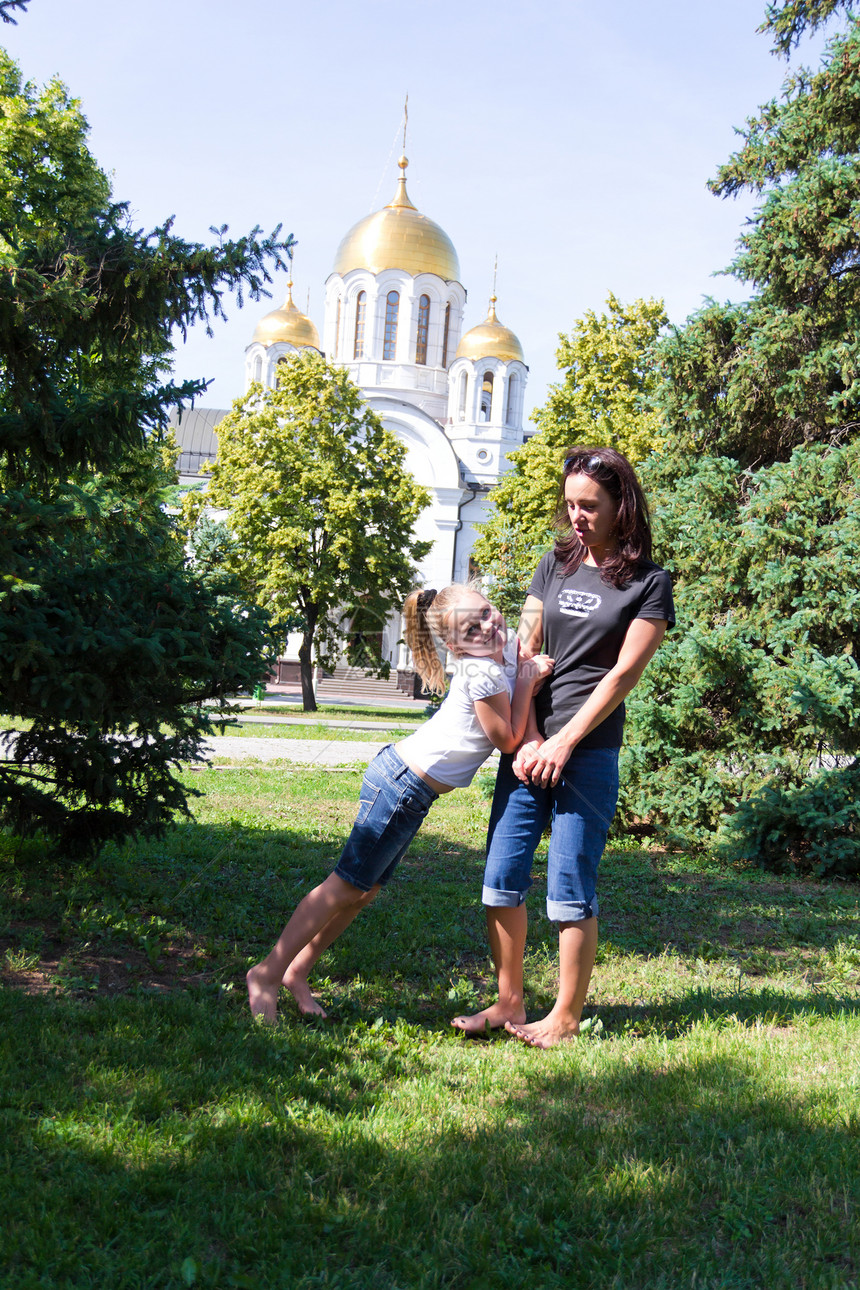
{"x": 490, "y": 340}
{"x": 398, "y": 237}
{"x": 287, "y": 325}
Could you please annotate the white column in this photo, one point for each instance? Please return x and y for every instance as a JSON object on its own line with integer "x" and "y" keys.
{"x": 407, "y": 326}
{"x": 373, "y": 328}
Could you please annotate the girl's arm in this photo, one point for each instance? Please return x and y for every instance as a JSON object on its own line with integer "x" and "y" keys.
{"x": 503, "y": 720}
{"x": 640, "y": 644}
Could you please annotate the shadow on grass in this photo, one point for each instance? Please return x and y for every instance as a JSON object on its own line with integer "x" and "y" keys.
{"x": 147, "y": 1145}
{"x": 650, "y": 901}
{"x": 202, "y": 903}
{"x": 208, "y": 899}
{"x": 768, "y": 1008}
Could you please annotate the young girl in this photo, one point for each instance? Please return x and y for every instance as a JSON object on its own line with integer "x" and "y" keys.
{"x": 487, "y": 707}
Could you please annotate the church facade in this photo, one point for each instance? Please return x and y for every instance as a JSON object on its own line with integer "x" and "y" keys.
{"x": 394, "y": 312}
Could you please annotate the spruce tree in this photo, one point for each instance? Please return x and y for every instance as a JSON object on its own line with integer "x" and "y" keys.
{"x": 757, "y": 495}
{"x": 109, "y": 641}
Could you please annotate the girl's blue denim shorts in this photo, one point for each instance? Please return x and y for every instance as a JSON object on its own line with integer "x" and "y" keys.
{"x": 580, "y": 807}
{"x": 392, "y": 806}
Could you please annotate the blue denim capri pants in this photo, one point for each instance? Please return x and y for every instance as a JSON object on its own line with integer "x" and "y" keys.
{"x": 580, "y": 806}
{"x": 392, "y": 806}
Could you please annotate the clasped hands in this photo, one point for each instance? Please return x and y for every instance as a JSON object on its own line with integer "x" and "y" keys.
{"x": 541, "y": 761}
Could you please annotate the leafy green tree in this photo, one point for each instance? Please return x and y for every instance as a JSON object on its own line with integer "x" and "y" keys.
{"x": 106, "y": 636}
{"x": 604, "y": 398}
{"x": 758, "y": 497}
{"x": 321, "y": 510}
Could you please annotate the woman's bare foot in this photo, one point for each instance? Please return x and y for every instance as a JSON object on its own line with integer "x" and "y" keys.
{"x": 492, "y": 1018}
{"x": 262, "y": 994}
{"x": 546, "y": 1033}
{"x": 300, "y": 990}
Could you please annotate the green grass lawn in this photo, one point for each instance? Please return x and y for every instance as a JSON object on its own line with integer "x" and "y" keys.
{"x": 704, "y": 1132}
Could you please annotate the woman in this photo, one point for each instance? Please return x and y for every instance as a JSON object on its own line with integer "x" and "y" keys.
{"x": 600, "y": 607}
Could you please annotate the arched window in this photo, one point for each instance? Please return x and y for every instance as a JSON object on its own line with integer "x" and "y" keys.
{"x": 389, "y": 341}
{"x": 464, "y": 380}
{"x": 487, "y": 396}
{"x": 445, "y": 333}
{"x": 511, "y": 409}
{"x": 360, "y": 311}
{"x": 423, "y": 327}
{"x": 337, "y": 327}
{"x": 258, "y": 368}
{"x": 280, "y": 364}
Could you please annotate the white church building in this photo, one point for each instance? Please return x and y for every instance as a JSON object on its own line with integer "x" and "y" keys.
{"x": 394, "y": 310}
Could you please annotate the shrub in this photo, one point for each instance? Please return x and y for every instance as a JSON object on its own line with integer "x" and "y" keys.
{"x": 813, "y": 829}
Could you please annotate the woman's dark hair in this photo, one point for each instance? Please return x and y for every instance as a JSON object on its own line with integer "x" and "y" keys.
{"x": 632, "y": 529}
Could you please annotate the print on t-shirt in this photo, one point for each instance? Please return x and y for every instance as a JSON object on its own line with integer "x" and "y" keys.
{"x": 578, "y": 604}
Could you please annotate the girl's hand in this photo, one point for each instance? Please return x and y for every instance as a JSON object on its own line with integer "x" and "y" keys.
{"x": 546, "y": 767}
{"x": 537, "y": 669}
{"x": 525, "y": 759}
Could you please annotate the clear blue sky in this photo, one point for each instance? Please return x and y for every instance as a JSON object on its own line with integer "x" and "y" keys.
{"x": 575, "y": 140}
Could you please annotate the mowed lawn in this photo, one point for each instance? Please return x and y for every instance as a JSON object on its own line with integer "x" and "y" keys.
{"x": 704, "y": 1131}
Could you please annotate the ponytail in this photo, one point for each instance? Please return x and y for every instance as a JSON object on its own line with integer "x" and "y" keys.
{"x": 425, "y": 615}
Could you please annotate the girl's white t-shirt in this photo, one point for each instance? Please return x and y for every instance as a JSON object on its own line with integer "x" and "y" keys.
{"x": 452, "y": 745}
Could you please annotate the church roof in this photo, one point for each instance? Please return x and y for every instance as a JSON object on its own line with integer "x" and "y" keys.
{"x": 398, "y": 237}
{"x": 287, "y": 325}
{"x": 194, "y": 429}
{"x": 490, "y": 339}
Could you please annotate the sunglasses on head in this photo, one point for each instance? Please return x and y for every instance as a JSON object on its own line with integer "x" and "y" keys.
{"x": 580, "y": 463}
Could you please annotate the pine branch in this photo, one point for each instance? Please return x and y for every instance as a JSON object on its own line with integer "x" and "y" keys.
{"x": 6, "y": 7}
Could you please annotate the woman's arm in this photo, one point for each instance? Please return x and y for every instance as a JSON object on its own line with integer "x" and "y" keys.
{"x": 530, "y": 628}
{"x": 640, "y": 644}
{"x": 503, "y": 721}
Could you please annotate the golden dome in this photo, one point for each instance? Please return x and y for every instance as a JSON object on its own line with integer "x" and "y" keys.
{"x": 398, "y": 237}
{"x": 287, "y": 325}
{"x": 490, "y": 340}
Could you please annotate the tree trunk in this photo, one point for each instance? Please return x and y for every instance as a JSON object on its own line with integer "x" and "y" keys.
{"x": 309, "y": 703}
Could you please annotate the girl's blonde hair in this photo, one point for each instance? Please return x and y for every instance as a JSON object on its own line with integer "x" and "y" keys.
{"x": 426, "y": 623}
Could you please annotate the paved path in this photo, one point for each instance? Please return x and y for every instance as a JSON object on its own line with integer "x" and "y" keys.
{"x": 307, "y": 752}
{"x": 396, "y": 723}
{"x": 304, "y": 752}
{"x": 301, "y": 752}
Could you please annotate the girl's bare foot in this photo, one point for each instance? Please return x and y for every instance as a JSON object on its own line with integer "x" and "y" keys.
{"x": 300, "y": 990}
{"x": 546, "y": 1033}
{"x": 262, "y": 994}
{"x": 492, "y": 1018}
